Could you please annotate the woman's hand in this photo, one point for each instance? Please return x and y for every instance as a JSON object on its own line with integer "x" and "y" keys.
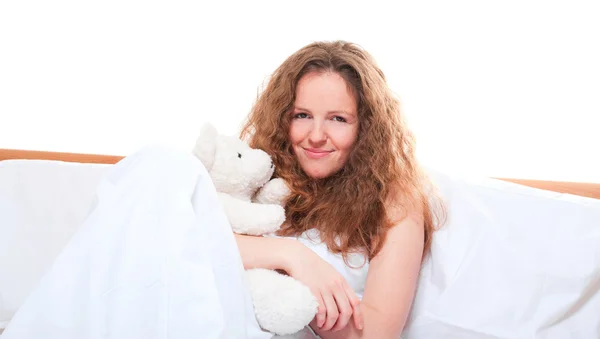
{"x": 337, "y": 301}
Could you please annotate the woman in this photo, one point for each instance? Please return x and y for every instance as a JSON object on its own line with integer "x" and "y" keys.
{"x": 336, "y": 135}
{"x": 155, "y": 257}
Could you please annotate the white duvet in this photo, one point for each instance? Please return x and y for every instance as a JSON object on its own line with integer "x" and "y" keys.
{"x": 155, "y": 259}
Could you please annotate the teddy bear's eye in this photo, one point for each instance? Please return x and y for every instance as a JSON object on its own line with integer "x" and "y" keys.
{"x": 240, "y": 155}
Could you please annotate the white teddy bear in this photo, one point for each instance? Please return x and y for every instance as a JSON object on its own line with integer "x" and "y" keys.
{"x": 252, "y": 203}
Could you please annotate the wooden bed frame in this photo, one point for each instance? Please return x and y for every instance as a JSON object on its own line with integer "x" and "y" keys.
{"x": 591, "y": 190}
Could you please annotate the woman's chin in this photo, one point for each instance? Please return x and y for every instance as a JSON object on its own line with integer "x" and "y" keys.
{"x": 318, "y": 176}
{"x": 319, "y": 173}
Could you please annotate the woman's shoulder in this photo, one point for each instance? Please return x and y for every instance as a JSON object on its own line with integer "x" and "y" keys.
{"x": 403, "y": 202}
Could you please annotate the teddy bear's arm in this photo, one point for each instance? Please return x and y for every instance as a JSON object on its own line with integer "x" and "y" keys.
{"x": 273, "y": 192}
{"x": 250, "y": 218}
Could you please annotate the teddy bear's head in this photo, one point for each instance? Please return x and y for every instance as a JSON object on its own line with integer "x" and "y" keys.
{"x": 235, "y": 167}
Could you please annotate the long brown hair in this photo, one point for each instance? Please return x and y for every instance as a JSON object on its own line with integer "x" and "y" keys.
{"x": 349, "y": 207}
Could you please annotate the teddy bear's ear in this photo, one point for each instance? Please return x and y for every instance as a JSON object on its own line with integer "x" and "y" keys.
{"x": 206, "y": 145}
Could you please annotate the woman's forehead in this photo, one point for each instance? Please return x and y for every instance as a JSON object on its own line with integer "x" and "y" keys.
{"x": 327, "y": 92}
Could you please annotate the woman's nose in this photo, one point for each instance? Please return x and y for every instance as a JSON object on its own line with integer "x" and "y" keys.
{"x": 317, "y": 134}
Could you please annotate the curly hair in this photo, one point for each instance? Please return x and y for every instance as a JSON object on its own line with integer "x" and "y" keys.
{"x": 349, "y": 207}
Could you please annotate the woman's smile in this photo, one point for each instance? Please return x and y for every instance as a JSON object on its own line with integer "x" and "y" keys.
{"x": 314, "y": 153}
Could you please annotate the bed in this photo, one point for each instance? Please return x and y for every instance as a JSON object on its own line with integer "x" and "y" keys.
{"x": 519, "y": 259}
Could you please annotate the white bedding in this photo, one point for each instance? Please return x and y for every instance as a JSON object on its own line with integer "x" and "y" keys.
{"x": 512, "y": 262}
{"x": 41, "y": 205}
{"x": 155, "y": 258}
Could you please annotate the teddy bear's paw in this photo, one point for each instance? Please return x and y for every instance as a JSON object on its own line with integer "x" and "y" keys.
{"x": 260, "y": 220}
{"x": 273, "y": 192}
{"x": 276, "y": 218}
{"x": 282, "y": 305}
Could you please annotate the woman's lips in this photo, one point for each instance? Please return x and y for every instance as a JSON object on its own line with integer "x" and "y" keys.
{"x": 313, "y": 153}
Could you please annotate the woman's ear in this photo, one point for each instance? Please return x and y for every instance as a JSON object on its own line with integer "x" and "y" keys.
{"x": 206, "y": 145}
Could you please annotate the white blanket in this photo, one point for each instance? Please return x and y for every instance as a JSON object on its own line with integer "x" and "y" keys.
{"x": 155, "y": 259}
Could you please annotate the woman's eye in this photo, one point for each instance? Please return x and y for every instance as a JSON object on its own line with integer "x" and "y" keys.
{"x": 339, "y": 119}
{"x": 240, "y": 155}
{"x": 301, "y": 116}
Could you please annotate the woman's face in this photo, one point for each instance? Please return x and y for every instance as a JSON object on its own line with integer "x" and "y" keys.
{"x": 324, "y": 123}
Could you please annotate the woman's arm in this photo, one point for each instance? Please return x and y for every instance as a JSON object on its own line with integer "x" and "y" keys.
{"x": 266, "y": 252}
{"x": 391, "y": 283}
{"x": 337, "y": 301}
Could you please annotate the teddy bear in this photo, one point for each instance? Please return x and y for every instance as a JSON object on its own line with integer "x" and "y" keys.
{"x": 252, "y": 202}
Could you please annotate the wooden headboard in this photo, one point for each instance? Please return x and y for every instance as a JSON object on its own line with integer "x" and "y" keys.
{"x": 591, "y": 190}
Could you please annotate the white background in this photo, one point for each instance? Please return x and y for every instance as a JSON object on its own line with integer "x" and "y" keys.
{"x": 495, "y": 88}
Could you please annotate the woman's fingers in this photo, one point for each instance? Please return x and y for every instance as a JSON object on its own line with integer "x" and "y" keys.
{"x": 356, "y": 309}
{"x": 345, "y": 308}
{"x": 321, "y": 310}
{"x": 332, "y": 311}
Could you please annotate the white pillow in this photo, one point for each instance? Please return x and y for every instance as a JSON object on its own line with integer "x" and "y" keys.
{"x": 41, "y": 205}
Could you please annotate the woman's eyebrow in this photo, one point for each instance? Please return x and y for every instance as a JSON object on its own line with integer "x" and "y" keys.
{"x": 301, "y": 109}
{"x": 338, "y": 112}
